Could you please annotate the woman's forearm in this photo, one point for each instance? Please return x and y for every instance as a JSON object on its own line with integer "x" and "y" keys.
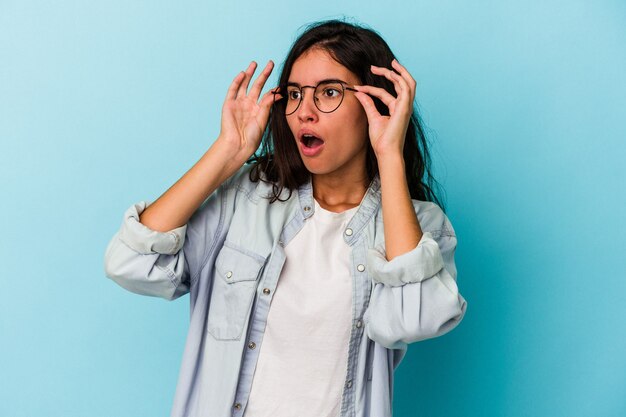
{"x": 402, "y": 229}
{"x": 174, "y": 208}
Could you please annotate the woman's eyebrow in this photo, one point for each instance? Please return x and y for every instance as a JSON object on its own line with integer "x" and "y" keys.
{"x": 326, "y": 80}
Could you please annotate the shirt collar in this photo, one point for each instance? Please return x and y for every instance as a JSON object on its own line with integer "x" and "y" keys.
{"x": 367, "y": 209}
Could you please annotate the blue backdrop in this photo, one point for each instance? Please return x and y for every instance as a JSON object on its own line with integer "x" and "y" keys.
{"x": 106, "y": 103}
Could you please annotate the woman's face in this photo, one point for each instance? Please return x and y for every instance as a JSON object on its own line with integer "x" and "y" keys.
{"x": 329, "y": 143}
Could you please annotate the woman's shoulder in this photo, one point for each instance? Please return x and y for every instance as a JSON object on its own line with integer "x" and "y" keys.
{"x": 254, "y": 185}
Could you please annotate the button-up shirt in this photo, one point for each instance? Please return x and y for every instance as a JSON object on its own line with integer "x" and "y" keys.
{"x": 229, "y": 257}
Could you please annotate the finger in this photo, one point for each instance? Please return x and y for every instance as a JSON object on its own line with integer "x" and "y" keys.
{"x": 368, "y": 105}
{"x": 265, "y": 105}
{"x": 402, "y": 71}
{"x": 405, "y": 74}
{"x": 258, "y": 84}
{"x": 276, "y": 94}
{"x": 392, "y": 76}
{"x": 401, "y": 85}
{"x": 243, "y": 87}
{"x": 377, "y": 92}
{"x": 231, "y": 94}
{"x": 270, "y": 97}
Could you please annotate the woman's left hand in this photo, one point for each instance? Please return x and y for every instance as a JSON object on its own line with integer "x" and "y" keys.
{"x": 387, "y": 133}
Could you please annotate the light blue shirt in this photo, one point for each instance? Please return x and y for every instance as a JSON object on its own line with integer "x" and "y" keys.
{"x": 229, "y": 258}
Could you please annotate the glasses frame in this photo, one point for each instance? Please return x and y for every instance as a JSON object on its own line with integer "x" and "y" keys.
{"x": 344, "y": 87}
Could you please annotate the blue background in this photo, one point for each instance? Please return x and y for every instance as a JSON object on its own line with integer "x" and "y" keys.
{"x": 106, "y": 103}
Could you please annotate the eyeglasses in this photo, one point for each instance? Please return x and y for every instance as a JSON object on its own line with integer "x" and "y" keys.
{"x": 327, "y": 96}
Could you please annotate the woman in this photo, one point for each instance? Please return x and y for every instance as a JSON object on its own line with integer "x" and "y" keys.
{"x": 309, "y": 269}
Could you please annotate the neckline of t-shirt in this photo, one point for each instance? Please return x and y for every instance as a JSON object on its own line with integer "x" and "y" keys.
{"x": 328, "y": 215}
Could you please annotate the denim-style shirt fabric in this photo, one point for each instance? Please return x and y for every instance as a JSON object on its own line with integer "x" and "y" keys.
{"x": 229, "y": 258}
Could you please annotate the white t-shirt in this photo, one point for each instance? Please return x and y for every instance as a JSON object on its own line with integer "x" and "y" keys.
{"x": 302, "y": 363}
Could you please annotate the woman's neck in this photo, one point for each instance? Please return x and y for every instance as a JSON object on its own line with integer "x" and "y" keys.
{"x": 339, "y": 193}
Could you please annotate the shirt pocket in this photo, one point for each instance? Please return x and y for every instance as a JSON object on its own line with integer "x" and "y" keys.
{"x": 234, "y": 285}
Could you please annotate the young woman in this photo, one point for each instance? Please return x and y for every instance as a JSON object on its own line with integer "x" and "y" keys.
{"x": 311, "y": 267}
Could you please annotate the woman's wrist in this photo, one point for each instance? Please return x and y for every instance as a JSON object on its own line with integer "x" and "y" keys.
{"x": 390, "y": 161}
{"x": 233, "y": 157}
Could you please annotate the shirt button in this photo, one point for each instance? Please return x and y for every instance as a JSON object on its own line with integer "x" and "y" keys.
{"x": 307, "y": 208}
{"x": 237, "y": 406}
{"x": 349, "y": 384}
{"x": 266, "y": 291}
{"x": 229, "y": 274}
{"x": 359, "y": 323}
{"x": 360, "y": 267}
{"x": 251, "y": 345}
{"x": 348, "y": 232}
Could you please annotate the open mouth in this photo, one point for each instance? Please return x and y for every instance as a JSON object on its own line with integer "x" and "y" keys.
{"x": 311, "y": 145}
{"x": 311, "y": 141}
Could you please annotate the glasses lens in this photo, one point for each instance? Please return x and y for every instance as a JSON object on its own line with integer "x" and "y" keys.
{"x": 294, "y": 95}
{"x": 328, "y": 96}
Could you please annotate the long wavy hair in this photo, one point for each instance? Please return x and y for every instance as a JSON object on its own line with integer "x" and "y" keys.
{"x": 278, "y": 161}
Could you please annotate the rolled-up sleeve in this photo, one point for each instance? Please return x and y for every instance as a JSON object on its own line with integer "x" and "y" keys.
{"x": 145, "y": 261}
{"x": 415, "y": 295}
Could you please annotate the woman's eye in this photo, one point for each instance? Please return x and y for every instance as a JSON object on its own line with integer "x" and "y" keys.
{"x": 293, "y": 95}
{"x": 331, "y": 92}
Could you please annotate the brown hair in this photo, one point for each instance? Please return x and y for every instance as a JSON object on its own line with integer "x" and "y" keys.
{"x": 356, "y": 48}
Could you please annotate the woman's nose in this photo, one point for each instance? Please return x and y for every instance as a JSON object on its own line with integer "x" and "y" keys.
{"x": 308, "y": 110}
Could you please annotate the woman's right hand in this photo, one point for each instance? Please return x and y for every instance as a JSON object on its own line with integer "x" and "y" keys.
{"x": 244, "y": 116}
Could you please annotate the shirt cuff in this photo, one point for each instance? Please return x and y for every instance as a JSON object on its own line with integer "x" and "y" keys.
{"x": 419, "y": 264}
{"x": 145, "y": 240}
